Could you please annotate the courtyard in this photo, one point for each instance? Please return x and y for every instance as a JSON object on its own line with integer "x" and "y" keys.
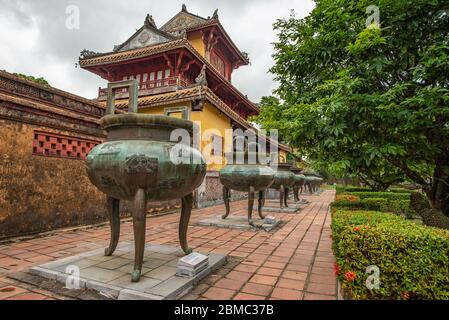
{"x": 292, "y": 262}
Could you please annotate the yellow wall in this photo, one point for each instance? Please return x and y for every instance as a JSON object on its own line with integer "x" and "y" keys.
{"x": 212, "y": 118}
{"x": 282, "y": 156}
{"x": 197, "y": 42}
{"x": 209, "y": 118}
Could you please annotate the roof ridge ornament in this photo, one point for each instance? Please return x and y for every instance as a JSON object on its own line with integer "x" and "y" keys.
{"x": 149, "y": 21}
{"x": 184, "y": 8}
{"x": 215, "y": 15}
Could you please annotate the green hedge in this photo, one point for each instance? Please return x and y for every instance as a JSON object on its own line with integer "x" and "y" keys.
{"x": 400, "y": 190}
{"x": 376, "y": 204}
{"x": 383, "y": 195}
{"x": 413, "y": 259}
{"x": 345, "y": 189}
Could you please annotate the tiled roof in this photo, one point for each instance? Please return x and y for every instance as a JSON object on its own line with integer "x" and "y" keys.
{"x": 150, "y": 50}
{"x": 216, "y": 22}
{"x": 131, "y": 54}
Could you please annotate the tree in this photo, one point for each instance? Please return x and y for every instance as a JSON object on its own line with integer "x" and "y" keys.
{"x": 371, "y": 100}
{"x": 39, "y": 80}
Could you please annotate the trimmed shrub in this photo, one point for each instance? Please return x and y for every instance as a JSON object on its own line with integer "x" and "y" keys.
{"x": 384, "y": 195}
{"x": 376, "y": 204}
{"x": 412, "y": 259}
{"x": 347, "y": 197}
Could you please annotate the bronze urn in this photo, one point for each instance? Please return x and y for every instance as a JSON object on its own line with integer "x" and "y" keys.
{"x": 246, "y": 177}
{"x": 284, "y": 179}
{"x": 136, "y": 164}
{"x": 300, "y": 180}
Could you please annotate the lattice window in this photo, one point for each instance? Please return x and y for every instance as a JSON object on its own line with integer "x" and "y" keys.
{"x": 54, "y": 145}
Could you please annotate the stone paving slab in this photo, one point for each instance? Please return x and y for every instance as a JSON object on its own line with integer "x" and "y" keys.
{"x": 239, "y": 222}
{"x": 111, "y": 276}
{"x": 290, "y": 209}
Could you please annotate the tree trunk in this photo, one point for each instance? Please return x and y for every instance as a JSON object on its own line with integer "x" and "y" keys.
{"x": 438, "y": 191}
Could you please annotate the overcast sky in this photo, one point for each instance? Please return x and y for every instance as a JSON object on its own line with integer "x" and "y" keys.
{"x": 36, "y": 41}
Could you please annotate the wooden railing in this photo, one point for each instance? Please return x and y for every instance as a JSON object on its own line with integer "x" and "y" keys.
{"x": 148, "y": 85}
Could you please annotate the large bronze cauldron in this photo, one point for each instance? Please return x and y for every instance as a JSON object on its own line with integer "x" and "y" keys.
{"x": 135, "y": 164}
{"x": 284, "y": 179}
{"x": 313, "y": 183}
{"x": 300, "y": 180}
{"x": 246, "y": 177}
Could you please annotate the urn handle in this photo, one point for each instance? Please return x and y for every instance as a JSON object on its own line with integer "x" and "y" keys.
{"x": 132, "y": 86}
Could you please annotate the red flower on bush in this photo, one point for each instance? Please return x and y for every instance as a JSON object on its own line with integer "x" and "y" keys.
{"x": 356, "y": 228}
{"x": 337, "y": 269}
{"x": 350, "y": 276}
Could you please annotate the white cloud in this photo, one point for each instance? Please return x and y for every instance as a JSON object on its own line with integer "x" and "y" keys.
{"x": 36, "y": 42}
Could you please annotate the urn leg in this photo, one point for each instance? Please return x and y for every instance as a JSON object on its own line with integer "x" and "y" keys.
{"x": 281, "y": 196}
{"x": 250, "y": 205}
{"x": 114, "y": 221}
{"x": 226, "y": 196}
{"x": 261, "y": 203}
{"x": 287, "y": 190}
{"x": 186, "y": 210}
{"x": 139, "y": 223}
{"x": 295, "y": 193}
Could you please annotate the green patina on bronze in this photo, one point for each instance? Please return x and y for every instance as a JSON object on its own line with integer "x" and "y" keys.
{"x": 284, "y": 179}
{"x": 136, "y": 163}
{"x": 246, "y": 177}
{"x": 313, "y": 183}
{"x": 299, "y": 184}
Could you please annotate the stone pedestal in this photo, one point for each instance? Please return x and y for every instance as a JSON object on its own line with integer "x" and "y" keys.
{"x": 239, "y": 222}
{"x": 111, "y": 275}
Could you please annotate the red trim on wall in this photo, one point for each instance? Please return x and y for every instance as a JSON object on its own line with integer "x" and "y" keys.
{"x": 60, "y": 146}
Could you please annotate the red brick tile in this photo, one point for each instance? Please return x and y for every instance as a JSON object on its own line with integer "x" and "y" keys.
{"x": 286, "y": 294}
{"x": 261, "y": 279}
{"x": 41, "y": 258}
{"x": 229, "y": 284}
{"x": 218, "y": 294}
{"x": 257, "y": 289}
{"x": 10, "y": 263}
{"x": 246, "y": 268}
{"x": 238, "y": 275}
{"x": 290, "y": 284}
{"x": 329, "y": 289}
{"x": 26, "y": 255}
{"x": 330, "y": 279}
{"x": 246, "y": 296}
{"x": 295, "y": 275}
{"x": 269, "y": 271}
{"x": 296, "y": 267}
{"x": 10, "y": 291}
{"x": 272, "y": 264}
{"x": 314, "y": 296}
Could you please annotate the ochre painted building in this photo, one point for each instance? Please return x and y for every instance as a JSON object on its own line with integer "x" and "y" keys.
{"x": 184, "y": 69}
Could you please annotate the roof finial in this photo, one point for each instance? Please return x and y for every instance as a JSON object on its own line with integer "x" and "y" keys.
{"x": 184, "y": 8}
{"x": 149, "y": 21}
{"x": 215, "y": 15}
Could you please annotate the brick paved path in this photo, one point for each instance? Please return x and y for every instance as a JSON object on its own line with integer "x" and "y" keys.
{"x": 291, "y": 262}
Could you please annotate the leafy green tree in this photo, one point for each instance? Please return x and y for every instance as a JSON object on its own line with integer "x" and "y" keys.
{"x": 368, "y": 99}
